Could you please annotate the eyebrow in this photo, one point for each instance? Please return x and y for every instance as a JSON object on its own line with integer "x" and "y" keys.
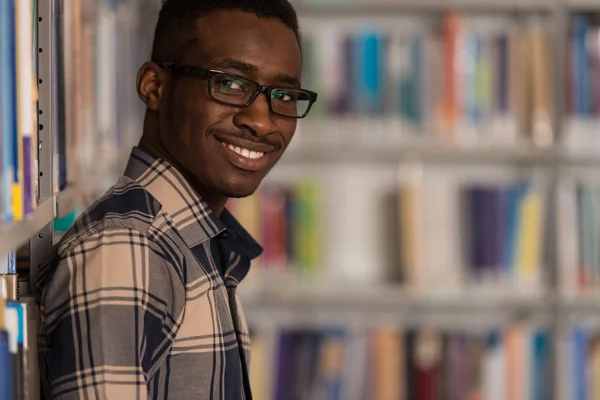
{"x": 250, "y": 69}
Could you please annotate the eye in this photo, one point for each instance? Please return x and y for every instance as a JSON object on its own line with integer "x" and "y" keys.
{"x": 231, "y": 84}
{"x": 282, "y": 95}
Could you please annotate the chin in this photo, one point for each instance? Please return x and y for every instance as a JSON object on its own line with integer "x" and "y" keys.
{"x": 238, "y": 194}
{"x": 238, "y": 191}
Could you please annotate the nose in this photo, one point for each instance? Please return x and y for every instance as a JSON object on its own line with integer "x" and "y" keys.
{"x": 256, "y": 117}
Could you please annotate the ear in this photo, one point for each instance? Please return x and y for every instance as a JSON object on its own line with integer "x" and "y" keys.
{"x": 151, "y": 80}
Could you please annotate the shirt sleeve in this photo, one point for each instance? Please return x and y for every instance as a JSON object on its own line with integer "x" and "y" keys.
{"x": 110, "y": 313}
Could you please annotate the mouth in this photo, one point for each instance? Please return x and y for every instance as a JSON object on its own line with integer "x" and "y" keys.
{"x": 248, "y": 157}
{"x": 250, "y": 154}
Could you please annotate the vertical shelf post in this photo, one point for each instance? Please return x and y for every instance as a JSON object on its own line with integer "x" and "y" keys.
{"x": 40, "y": 244}
{"x": 559, "y": 54}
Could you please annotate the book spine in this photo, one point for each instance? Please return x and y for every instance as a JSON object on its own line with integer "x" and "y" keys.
{"x": 25, "y": 101}
{"x": 8, "y": 104}
{"x": 14, "y": 328}
{"x": 6, "y": 377}
{"x": 17, "y": 143}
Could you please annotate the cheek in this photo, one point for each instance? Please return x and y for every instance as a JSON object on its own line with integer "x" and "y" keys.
{"x": 287, "y": 127}
{"x": 191, "y": 115}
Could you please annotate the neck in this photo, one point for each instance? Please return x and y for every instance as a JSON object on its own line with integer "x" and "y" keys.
{"x": 151, "y": 142}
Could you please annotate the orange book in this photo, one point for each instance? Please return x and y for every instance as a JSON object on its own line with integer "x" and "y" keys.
{"x": 388, "y": 366}
{"x": 515, "y": 370}
{"x": 452, "y": 24}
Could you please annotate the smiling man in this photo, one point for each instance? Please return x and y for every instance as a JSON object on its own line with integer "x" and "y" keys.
{"x": 139, "y": 299}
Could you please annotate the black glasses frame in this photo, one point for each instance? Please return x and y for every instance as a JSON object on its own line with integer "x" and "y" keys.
{"x": 211, "y": 73}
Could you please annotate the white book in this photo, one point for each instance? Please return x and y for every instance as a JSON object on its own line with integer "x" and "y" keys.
{"x": 26, "y": 115}
{"x": 568, "y": 237}
{"x": 494, "y": 372}
{"x": 355, "y": 373}
{"x": 441, "y": 233}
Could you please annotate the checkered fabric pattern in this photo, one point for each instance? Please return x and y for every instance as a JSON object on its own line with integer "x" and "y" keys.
{"x": 133, "y": 304}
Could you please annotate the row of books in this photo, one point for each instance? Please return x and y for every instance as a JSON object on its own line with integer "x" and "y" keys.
{"x": 447, "y": 234}
{"x": 579, "y": 363}
{"x": 100, "y": 46}
{"x": 18, "y": 109}
{"x": 482, "y": 233}
{"x": 385, "y": 363}
{"x": 461, "y": 79}
{"x": 286, "y": 221}
{"x": 19, "y": 374}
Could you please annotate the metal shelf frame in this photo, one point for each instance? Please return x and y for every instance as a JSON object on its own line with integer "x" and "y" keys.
{"x": 18, "y": 233}
{"x": 41, "y": 243}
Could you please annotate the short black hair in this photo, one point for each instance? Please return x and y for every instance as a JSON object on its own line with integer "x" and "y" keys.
{"x": 176, "y": 26}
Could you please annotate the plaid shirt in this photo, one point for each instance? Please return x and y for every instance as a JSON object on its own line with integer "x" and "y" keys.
{"x": 133, "y": 302}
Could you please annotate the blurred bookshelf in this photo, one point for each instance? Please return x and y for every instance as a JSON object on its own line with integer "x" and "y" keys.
{"x": 387, "y": 7}
{"x": 436, "y": 217}
{"x": 582, "y": 5}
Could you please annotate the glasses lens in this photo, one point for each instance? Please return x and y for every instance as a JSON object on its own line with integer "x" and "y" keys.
{"x": 290, "y": 102}
{"x": 232, "y": 89}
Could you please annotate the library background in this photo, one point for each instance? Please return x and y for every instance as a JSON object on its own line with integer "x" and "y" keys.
{"x": 432, "y": 233}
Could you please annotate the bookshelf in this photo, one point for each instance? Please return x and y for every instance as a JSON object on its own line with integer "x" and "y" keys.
{"x": 345, "y": 153}
{"x": 387, "y": 7}
{"x": 303, "y": 307}
{"x": 581, "y": 5}
{"x": 384, "y": 148}
{"x": 16, "y": 234}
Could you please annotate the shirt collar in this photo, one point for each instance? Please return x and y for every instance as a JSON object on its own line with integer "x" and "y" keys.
{"x": 190, "y": 214}
{"x": 237, "y": 239}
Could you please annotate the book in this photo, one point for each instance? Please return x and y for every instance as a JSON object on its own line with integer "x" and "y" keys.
{"x": 6, "y": 360}
{"x": 578, "y": 230}
{"x": 19, "y": 372}
{"x": 582, "y": 85}
{"x": 286, "y": 221}
{"x": 18, "y": 107}
{"x": 458, "y": 235}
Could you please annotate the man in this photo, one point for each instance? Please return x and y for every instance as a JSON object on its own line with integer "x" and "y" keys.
{"x": 139, "y": 300}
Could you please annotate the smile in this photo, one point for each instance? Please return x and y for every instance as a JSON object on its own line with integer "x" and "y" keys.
{"x": 253, "y": 155}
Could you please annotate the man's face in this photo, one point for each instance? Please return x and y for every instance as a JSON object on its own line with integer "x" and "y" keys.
{"x": 205, "y": 136}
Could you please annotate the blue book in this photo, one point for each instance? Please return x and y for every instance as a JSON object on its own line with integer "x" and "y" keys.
{"x": 7, "y": 102}
{"x": 579, "y": 342}
{"x": 16, "y": 167}
{"x": 372, "y": 70}
{"x": 541, "y": 365}
{"x": 6, "y": 377}
{"x": 411, "y": 83}
{"x": 580, "y": 72}
{"x": 19, "y": 356}
{"x": 11, "y": 262}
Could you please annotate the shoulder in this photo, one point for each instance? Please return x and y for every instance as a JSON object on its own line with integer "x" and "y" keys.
{"x": 127, "y": 205}
{"x": 118, "y": 230}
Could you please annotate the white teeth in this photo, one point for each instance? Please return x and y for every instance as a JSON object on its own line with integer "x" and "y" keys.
{"x": 245, "y": 152}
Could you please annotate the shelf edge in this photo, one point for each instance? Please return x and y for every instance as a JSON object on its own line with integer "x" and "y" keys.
{"x": 15, "y": 234}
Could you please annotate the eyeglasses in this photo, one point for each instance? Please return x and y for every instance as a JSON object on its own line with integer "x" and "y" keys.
{"x": 235, "y": 90}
